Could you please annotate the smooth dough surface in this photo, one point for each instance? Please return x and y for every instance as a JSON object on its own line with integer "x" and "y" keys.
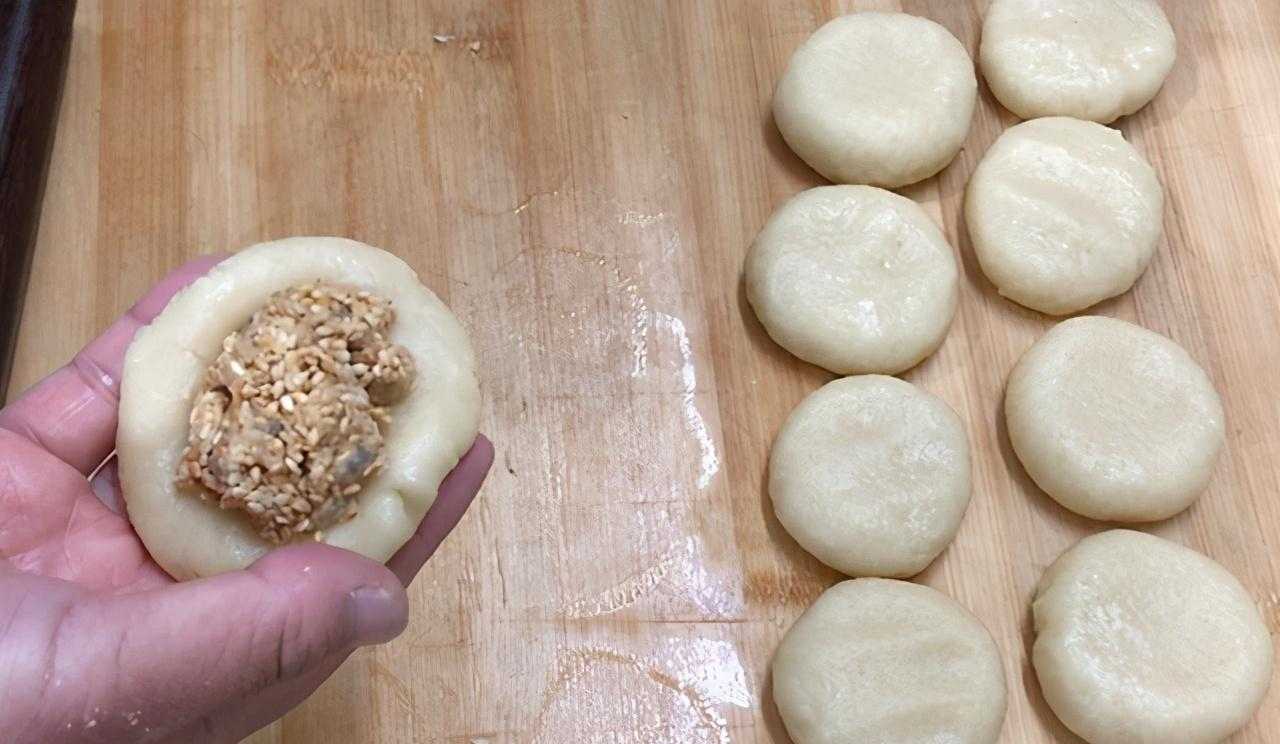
{"x": 1139, "y": 639}
{"x": 877, "y": 660}
{"x": 1091, "y": 59}
{"x": 877, "y": 98}
{"x": 1113, "y": 421}
{"x": 853, "y": 278}
{"x": 871, "y": 474}
{"x": 431, "y": 428}
{"x": 1063, "y": 214}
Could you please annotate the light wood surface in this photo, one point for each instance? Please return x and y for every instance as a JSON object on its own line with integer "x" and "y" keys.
{"x": 581, "y": 188}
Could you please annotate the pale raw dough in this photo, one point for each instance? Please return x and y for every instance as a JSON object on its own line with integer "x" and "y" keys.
{"x": 853, "y": 278}
{"x": 871, "y": 475}
{"x": 876, "y": 661}
{"x": 1091, "y": 59}
{"x": 431, "y": 428}
{"x": 1139, "y": 639}
{"x": 877, "y": 98}
{"x": 1113, "y": 421}
{"x": 1063, "y": 214}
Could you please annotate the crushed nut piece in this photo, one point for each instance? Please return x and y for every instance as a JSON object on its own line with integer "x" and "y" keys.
{"x": 286, "y": 424}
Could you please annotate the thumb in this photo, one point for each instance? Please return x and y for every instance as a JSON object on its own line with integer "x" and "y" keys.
{"x": 181, "y": 653}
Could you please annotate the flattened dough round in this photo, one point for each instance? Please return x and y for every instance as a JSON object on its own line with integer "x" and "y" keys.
{"x": 1113, "y": 421}
{"x": 431, "y": 428}
{"x": 871, "y": 475}
{"x": 876, "y": 660}
{"x": 877, "y": 98}
{"x": 1091, "y": 59}
{"x": 853, "y": 278}
{"x": 1139, "y": 639}
{"x": 1063, "y": 214}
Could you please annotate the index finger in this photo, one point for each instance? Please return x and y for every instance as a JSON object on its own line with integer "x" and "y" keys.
{"x": 72, "y": 413}
{"x": 455, "y": 495}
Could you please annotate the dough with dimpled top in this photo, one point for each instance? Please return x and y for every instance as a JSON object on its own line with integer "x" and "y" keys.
{"x": 1113, "y": 421}
{"x": 1139, "y": 639}
{"x": 853, "y": 278}
{"x": 871, "y": 474}
{"x": 884, "y": 99}
{"x": 877, "y": 660}
{"x": 1063, "y": 214}
{"x": 1091, "y": 59}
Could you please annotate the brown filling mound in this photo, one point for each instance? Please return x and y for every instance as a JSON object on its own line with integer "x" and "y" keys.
{"x": 286, "y": 423}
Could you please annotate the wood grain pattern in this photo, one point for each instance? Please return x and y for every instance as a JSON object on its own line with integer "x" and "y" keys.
{"x": 582, "y": 188}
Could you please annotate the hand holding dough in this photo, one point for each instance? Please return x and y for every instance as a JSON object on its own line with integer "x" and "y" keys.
{"x": 430, "y": 428}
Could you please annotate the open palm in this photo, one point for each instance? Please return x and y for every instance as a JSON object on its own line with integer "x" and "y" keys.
{"x": 98, "y": 643}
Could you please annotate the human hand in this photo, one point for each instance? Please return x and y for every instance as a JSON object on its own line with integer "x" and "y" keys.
{"x": 98, "y": 643}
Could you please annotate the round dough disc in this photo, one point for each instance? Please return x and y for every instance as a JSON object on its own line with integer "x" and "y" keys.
{"x": 1063, "y": 214}
{"x": 877, "y": 98}
{"x": 853, "y": 278}
{"x": 1091, "y": 59}
{"x": 430, "y": 429}
{"x": 1139, "y": 639}
{"x": 871, "y": 475}
{"x": 877, "y": 660}
{"x": 1113, "y": 421}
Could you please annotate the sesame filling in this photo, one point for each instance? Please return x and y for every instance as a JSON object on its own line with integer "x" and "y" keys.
{"x": 289, "y": 419}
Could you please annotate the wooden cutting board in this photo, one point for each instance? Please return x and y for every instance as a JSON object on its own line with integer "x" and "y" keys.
{"x": 580, "y": 180}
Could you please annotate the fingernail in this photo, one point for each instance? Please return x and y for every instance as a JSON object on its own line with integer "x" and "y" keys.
{"x": 378, "y": 614}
